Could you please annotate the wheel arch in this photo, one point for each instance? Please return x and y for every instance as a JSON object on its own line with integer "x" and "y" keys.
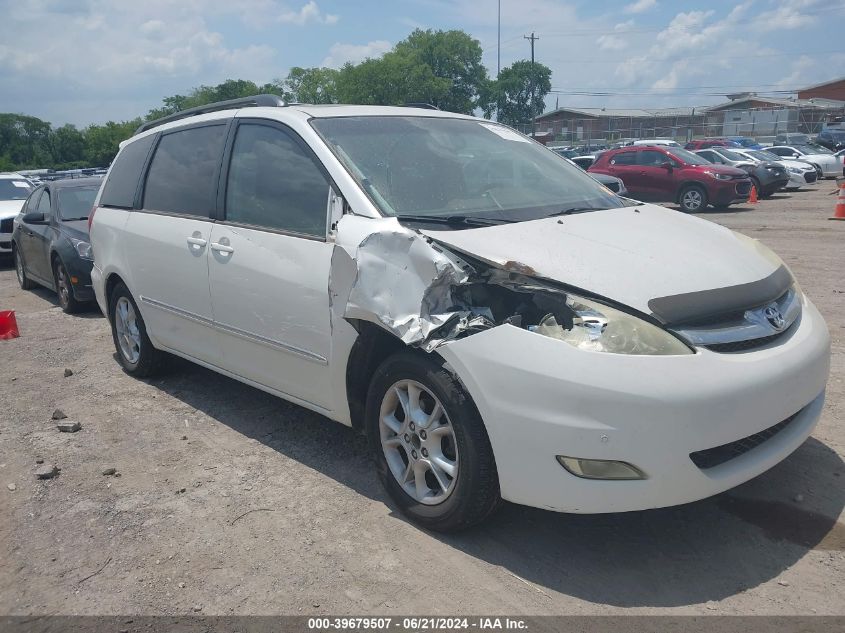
{"x": 687, "y": 183}
{"x": 112, "y": 280}
{"x": 371, "y": 348}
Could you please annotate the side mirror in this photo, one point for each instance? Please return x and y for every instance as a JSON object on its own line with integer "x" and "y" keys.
{"x": 667, "y": 166}
{"x": 34, "y": 218}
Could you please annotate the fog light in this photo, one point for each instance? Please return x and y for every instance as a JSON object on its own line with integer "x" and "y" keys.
{"x": 600, "y": 468}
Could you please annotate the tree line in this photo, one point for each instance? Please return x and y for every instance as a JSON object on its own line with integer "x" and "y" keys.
{"x": 441, "y": 68}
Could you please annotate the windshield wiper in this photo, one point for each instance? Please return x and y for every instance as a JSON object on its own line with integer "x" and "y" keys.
{"x": 73, "y": 219}
{"x": 455, "y": 220}
{"x": 574, "y": 210}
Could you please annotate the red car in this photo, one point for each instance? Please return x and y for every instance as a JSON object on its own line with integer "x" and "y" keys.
{"x": 710, "y": 142}
{"x": 671, "y": 174}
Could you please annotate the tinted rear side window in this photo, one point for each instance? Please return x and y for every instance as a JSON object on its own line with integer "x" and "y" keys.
{"x": 183, "y": 173}
{"x": 122, "y": 183}
{"x": 624, "y": 158}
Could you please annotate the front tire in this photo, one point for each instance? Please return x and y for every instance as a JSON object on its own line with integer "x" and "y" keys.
{"x": 20, "y": 271}
{"x": 693, "y": 199}
{"x": 135, "y": 351}
{"x": 429, "y": 444}
{"x": 67, "y": 302}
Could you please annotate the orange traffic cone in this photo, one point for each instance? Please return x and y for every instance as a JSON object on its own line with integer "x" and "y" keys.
{"x": 752, "y": 199}
{"x": 8, "y": 325}
{"x": 839, "y": 211}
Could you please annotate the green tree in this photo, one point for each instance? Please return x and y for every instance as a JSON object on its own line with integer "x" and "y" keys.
{"x": 393, "y": 79}
{"x": 68, "y": 145}
{"x": 518, "y": 95}
{"x": 310, "y": 85}
{"x": 25, "y": 141}
{"x": 452, "y": 56}
{"x": 102, "y": 141}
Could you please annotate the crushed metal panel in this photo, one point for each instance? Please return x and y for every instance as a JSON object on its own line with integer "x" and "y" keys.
{"x": 404, "y": 284}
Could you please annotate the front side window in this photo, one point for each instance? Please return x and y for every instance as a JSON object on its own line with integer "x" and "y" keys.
{"x": 14, "y": 189}
{"x": 651, "y": 158}
{"x": 182, "y": 177}
{"x": 75, "y": 202}
{"x": 274, "y": 183}
{"x": 44, "y": 204}
{"x": 417, "y": 166}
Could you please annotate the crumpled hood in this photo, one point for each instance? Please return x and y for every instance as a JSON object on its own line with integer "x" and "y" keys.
{"x": 631, "y": 255}
{"x": 10, "y": 208}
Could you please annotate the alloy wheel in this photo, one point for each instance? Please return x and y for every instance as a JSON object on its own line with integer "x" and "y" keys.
{"x": 19, "y": 268}
{"x": 692, "y": 200}
{"x": 126, "y": 325}
{"x": 63, "y": 285}
{"x": 418, "y": 442}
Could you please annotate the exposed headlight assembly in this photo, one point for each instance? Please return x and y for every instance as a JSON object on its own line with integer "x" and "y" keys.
{"x": 83, "y": 249}
{"x": 595, "y": 327}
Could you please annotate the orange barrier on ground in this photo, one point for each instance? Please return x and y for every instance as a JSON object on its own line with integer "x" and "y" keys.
{"x": 8, "y": 325}
{"x": 839, "y": 210}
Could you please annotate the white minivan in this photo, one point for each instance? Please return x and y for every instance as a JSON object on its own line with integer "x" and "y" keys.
{"x": 499, "y": 324}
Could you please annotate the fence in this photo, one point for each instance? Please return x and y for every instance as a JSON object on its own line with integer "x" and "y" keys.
{"x": 761, "y": 123}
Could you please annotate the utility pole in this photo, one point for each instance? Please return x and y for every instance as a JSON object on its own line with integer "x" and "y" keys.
{"x": 532, "y": 39}
{"x": 499, "y": 43}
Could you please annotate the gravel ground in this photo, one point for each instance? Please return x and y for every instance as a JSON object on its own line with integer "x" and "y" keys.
{"x": 226, "y": 500}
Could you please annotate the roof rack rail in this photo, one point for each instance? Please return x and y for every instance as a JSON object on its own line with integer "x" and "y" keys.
{"x": 424, "y": 106}
{"x": 265, "y": 100}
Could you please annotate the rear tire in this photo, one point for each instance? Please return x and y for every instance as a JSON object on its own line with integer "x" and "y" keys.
{"x": 135, "y": 351}
{"x": 64, "y": 288}
{"x": 414, "y": 452}
{"x": 20, "y": 270}
{"x": 693, "y": 199}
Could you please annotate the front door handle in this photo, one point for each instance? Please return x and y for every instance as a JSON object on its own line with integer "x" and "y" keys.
{"x": 222, "y": 248}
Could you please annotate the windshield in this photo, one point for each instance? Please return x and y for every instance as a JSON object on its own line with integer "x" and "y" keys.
{"x": 812, "y": 149}
{"x": 837, "y": 135}
{"x": 729, "y": 154}
{"x": 687, "y": 157}
{"x": 440, "y": 167}
{"x": 763, "y": 155}
{"x": 13, "y": 189}
{"x": 75, "y": 203}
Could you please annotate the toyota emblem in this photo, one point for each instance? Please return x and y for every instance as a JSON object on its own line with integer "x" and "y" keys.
{"x": 774, "y": 317}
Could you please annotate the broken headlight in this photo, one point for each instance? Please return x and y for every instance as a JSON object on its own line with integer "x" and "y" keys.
{"x": 592, "y": 326}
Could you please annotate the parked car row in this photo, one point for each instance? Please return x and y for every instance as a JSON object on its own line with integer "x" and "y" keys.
{"x": 499, "y": 324}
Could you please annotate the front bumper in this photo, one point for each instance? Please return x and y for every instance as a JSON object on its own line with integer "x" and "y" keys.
{"x": 540, "y": 398}
{"x": 730, "y": 191}
{"x": 806, "y": 179}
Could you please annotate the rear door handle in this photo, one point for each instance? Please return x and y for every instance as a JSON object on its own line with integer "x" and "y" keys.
{"x": 222, "y": 248}
{"x": 197, "y": 241}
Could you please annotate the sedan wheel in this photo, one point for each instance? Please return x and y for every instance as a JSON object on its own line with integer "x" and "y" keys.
{"x": 24, "y": 281}
{"x": 418, "y": 442}
{"x": 67, "y": 301}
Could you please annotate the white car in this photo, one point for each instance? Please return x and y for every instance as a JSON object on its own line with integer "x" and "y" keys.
{"x": 801, "y": 173}
{"x": 499, "y": 324}
{"x": 831, "y": 166}
{"x": 14, "y": 190}
{"x": 666, "y": 142}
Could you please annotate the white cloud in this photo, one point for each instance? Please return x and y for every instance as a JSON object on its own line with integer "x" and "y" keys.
{"x": 640, "y": 6}
{"x": 309, "y": 12}
{"x": 612, "y": 41}
{"x": 339, "y": 54}
{"x": 790, "y": 15}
